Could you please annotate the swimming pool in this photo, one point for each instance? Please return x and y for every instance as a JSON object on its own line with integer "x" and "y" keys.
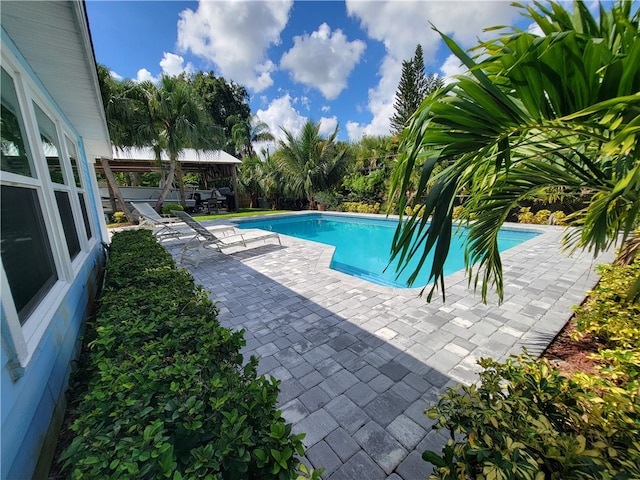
{"x": 363, "y": 244}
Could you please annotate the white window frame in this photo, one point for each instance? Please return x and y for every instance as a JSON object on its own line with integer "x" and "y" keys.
{"x": 21, "y": 341}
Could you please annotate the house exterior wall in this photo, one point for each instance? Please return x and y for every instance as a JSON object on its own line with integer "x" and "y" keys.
{"x": 39, "y": 345}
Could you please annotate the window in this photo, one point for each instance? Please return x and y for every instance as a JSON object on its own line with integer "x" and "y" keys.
{"x": 14, "y": 152}
{"x": 26, "y": 251}
{"x": 73, "y": 157}
{"x": 44, "y": 209}
{"x": 49, "y": 138}
{"x": 68, "y": 223}
{"x": 85, "y": 215}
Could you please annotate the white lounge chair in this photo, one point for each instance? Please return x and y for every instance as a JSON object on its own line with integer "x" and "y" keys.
{"x": 194, "y": 249}
{"x": 163, "y": 228}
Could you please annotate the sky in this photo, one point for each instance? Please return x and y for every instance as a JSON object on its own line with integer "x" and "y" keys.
{"x": 333, "y": 62}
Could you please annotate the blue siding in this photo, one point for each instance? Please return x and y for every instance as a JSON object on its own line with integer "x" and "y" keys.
{"x": 29, "y": 402}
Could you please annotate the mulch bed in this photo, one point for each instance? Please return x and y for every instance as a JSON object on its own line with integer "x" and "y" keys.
{"x": 571, "y": 356}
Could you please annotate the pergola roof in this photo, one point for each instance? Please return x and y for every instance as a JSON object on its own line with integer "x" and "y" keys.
{"x": 139, "y": 160}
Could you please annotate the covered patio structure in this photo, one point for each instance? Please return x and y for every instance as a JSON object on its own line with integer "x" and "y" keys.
{"x": 212, "y": 164}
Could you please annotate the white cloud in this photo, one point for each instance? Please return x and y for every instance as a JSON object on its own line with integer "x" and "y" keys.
{"x": 328, "y": 125}
{"x": 380, "y": 103}
{"x": 325, "y": 108}
{"x": 323, "y": 60}
{"x": 173, "y": 65}
{"x": 281, "y": 114}
{"x": 452, "y": 66}
{"x": 235, "y": 37}
{"x": 535, "y": 29}
{"x": 144, "y": 75}
{"x": 116, "y": 76}
{"x": 407, "y": 24}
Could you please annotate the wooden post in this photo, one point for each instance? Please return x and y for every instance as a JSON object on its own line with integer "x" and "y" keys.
{"x": 234, "y": 185}
{"x": 114, "y": 187}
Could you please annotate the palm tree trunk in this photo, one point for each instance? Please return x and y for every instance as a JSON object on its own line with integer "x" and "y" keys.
{"x": 183, "y": 200}
{"x": 167, "y": 185}
{"x": 114, "y": 188}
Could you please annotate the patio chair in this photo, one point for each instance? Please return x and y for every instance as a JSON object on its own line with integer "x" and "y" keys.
{"x": 195, "y": 248}
{"x": 162, "y": 227}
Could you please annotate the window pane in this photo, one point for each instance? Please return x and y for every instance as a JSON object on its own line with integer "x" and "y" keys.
{"x": 26, "y": 253}
{"x": 73, "y": 156}
{"x": 68, "y": 224}
{"x": 49, "y": 139}
{"x": 14, "y": 153}
{"x": 85, "y": 215}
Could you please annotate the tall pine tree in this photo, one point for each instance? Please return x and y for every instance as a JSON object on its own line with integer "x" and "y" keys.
{"x": 413, "y": 88}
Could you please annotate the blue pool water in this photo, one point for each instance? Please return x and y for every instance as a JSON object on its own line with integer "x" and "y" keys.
{"x": 363, "y": 245}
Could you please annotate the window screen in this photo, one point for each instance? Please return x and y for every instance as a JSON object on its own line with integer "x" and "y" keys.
{"x": 26, "y": 252}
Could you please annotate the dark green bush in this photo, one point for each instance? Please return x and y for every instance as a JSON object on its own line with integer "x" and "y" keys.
{"x": 525, "y": 421}
{"x": 164, "y": 393}
{"x": 166, "y": 209}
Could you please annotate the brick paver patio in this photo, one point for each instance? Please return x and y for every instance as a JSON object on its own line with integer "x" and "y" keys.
{"x": 359, "y": 363}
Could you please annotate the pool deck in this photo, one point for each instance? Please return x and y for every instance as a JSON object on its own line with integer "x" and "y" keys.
{"x": 359, "y": 363}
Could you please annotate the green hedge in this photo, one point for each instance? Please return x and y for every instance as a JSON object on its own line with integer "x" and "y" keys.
{"x": 163, "y": 389}
{"x": 525, "y": 420}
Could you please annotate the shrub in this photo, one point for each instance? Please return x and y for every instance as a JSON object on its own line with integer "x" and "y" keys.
{"x": 330, "y": 199}
{"x": 614, "y": 322}
{"x": 359, "y": 207}
{"x": 418, "y": 209}
{"x": 606, "y": 314}
{"x": 541, "y": 217}
{"x": 162, "y": 391}
{"x": 526, "y": 421}
{"x": 119, "y": 217}
{"x": 558, "y": 218}
{"x": 166, "y": 209}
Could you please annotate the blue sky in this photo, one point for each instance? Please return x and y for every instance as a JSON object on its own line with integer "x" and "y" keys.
{"x": 335, "y": 62}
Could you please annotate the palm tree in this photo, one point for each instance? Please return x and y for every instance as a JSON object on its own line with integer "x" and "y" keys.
{"x": 311, "y": 163}
{"x": 534, "y": 117}
{"x": 244, "y": 132}
{"x": 249, "y": 178}
{"x": 176, "y": 120}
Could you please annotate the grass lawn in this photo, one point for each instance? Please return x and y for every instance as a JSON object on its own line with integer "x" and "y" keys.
{"x": 243, "y": 212}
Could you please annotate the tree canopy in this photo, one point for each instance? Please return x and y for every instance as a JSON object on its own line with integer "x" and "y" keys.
{"x": 536, "y": 117}
{"x": 310, "y": 162}
{"x": 413, "y": 88}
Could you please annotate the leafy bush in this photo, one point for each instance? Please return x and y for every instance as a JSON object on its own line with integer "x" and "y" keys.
{"x": 360, "y": 207}
{"x": 119, "y": 217}
{"x": 329, "y": 199}
{"x": 606, "y": 315}
{"x": 418, "y": 209}
{"x": 166, "y": 209}
{"x": 366, "y": 188}
{"x": 542, "y": 217}
{"x": 162, "y": 391}
{"x": 614, "y": 322}
{"x": 526, "y": 421}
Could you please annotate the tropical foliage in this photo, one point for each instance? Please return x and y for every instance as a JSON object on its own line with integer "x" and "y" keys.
{"x": 536, "y": 116}
{"x": 311, "y": 163}
{"x": 163, "y": 390}
{"x": 526, "y": 419}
